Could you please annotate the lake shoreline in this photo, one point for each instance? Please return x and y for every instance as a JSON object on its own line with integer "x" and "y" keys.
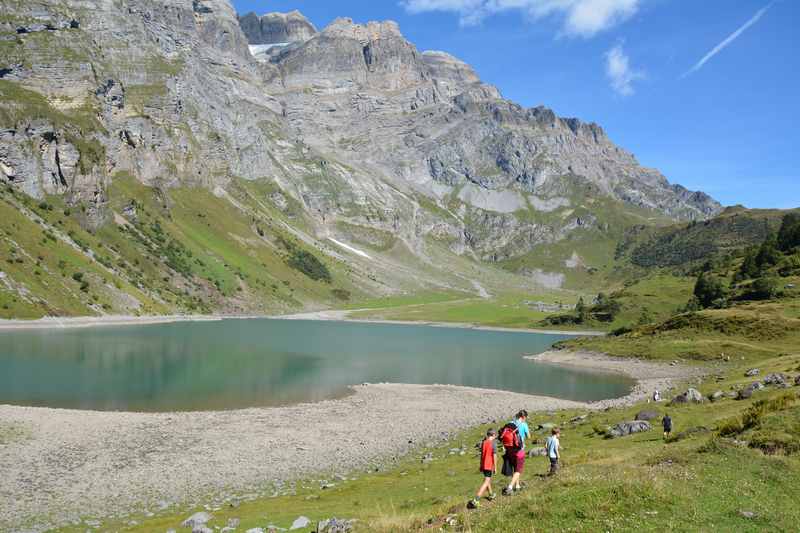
{"x": 116, "y": 463}
{"x": 333, "y": 315}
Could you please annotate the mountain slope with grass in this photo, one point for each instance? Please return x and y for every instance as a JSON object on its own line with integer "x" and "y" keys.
{"x": 173, "y": 157}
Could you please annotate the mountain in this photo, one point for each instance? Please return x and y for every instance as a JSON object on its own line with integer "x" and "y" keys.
{"x": 210, "y": 162}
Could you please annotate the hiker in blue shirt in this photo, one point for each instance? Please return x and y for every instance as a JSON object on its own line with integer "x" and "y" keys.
{"x": 521, "y": 421}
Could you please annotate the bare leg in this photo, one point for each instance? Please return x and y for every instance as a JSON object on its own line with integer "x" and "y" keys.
{"x": 487, "y": 486}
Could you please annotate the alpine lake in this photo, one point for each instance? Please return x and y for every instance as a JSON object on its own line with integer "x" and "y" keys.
{"x": 257, "y": 362}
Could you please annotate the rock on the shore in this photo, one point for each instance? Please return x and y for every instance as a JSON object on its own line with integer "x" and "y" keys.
{"x": 628, "y": 428}
{"x": 646, "y": 415}
{"x": 690, "y": 396}
{"x": 197, "y": 520}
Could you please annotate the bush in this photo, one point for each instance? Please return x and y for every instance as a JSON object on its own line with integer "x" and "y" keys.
{"x": 78, "y": 276}
{"x": 308, "y": 264}
{"x": 730, "y": 427}
{"x": 709, "y": 289}
{"x": 764, "y": 288}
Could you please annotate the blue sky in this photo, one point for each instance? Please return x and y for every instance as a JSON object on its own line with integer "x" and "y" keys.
{"x": 727, "y": 125}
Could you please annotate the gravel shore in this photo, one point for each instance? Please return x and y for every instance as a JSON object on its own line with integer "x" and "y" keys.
{"x": 649, "y": 375}
{"x": 60, "y": 466}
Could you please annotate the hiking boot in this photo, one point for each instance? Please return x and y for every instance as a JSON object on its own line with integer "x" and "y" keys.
{"x": 507, "y": 492}
{"x": 473, "y": 504}
{"x": 491, "y": 497}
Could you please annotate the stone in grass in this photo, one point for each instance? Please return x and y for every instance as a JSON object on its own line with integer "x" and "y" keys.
{"x": 255, "y": 530}
{"x": 748, "y": 514}
{"x": 752, "y": 372}
{"x": 335, "y": 525}
{"x": 628, "y": 428}
{"x": 717, "y": 396}
{"x": 202, "y": 529}
{"x": 197, "y": 519}
{"x": 646, "y": 415}
{"x": 690, "y": 396}
{"x": 777, "y": 379}
{"x": 744, "y": 394}
{"x": 300, "y": 523}
{"x": 537, "y": 451}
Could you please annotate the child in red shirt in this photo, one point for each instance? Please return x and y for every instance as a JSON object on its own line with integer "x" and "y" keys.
{"x": 488, "y": 467}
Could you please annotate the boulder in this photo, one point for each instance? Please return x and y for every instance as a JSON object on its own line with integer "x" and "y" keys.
{"x": 777, "y": 379}
{"x": 335, "y": 525}
{"x": 717, "y": 396}
{"x": 197, "y": 520}
{"x": 300, "y": 523}
{"x": 744, "y": 394}
{"x": 628, "y": 428}
{"x": 690, "y": 396}
{"x": 647, "y": 415}
{"x": 752, "y": 372}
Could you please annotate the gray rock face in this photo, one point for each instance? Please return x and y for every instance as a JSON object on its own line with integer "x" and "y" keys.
{"x": 628, "y": 428}
{"x": 274, "y": 28}
{"x": 352, "y": 124}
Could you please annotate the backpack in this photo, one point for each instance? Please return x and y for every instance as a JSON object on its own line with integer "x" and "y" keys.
{"x": 509, "y": 436}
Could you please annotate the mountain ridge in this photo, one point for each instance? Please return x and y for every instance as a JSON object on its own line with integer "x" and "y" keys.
{"x": 130, "y": 119}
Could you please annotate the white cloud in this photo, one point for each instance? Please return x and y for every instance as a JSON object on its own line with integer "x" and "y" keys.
{"x": 582, "y": 18}
{"x": 728, "y": 40}
{"x": 619, "y": 71}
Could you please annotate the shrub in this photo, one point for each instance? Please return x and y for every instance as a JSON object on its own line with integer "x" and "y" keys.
{"x": 730, "y": 426}
{"x": 78, "y": 276}
{"x": 308, "y": 264}
{"x": 764, "y": 288}
{"x": 709, "y": 289}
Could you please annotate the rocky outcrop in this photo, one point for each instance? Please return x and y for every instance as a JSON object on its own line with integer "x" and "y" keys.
{"x": 276, "y": 28}
{"x": 352, "y": 126}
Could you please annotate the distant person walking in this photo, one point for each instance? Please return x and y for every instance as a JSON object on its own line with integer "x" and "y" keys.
{"x": 667, "y": 423}
{"x": 553, "y": 449}
{"x": 516, "y": 455}
{"x": 488, "y": 467}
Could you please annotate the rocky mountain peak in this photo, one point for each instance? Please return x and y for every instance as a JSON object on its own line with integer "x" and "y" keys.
{"x": 276, "y": 28}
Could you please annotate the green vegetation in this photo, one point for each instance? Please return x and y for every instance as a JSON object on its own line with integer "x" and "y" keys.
{"x": 726, "y": 460}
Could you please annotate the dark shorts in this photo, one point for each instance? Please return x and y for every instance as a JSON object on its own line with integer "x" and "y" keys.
{"x": 509, "y": 462}
{"x": 519, "y": 465}
{"x": 487, "y": 473}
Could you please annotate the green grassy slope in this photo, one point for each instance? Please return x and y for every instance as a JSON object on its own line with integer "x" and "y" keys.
{"x": 704, "y": 478}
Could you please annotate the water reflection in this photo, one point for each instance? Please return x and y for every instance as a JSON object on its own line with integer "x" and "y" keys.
{"x": 241, "y": 363}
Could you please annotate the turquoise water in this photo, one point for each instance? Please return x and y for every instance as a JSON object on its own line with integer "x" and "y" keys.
{"x": 262, "y": 362}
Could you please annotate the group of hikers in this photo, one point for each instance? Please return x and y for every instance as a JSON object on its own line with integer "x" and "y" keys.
{"x": 512, "y": 436}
